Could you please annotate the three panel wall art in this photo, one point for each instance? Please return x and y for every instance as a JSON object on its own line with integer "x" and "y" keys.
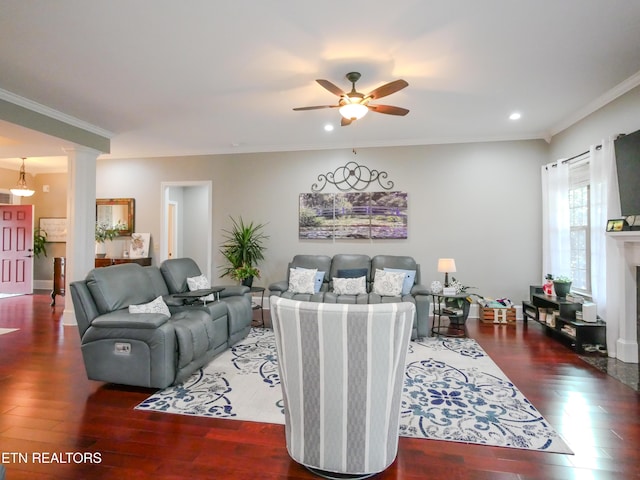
{"x": 353, "y": 215}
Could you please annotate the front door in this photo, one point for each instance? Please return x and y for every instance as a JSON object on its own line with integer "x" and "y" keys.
{"x": 16, "y": 262}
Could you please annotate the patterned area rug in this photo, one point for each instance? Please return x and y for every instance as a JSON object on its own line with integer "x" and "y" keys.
{"x": 452, "y": 391}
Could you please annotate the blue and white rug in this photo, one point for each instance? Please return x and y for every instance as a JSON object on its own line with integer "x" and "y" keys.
{"x": 452, "y": 391}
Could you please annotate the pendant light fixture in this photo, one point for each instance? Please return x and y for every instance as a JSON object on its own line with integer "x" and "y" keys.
{"x": 21, "y": 190}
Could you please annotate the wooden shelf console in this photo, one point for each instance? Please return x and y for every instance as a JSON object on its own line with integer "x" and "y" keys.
{"x": 107, "y": 262}
{"x": 563, "y": 325}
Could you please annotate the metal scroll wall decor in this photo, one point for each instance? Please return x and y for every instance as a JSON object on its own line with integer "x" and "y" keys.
{"x": 352, "y": 214}
{"x": 352, "y": 176}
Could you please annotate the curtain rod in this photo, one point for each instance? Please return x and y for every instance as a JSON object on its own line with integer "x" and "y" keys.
{"x": 567, "y": 160}
{"x": 597, "y": 147}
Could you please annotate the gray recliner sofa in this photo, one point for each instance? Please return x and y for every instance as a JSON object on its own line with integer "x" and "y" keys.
{"x": 332, "y": 267}
{"x": 151, "y": 349}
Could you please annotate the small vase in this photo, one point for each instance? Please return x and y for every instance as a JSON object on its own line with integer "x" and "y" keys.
{"x": 247, "y": 282}
{"x": 101, "y": 250}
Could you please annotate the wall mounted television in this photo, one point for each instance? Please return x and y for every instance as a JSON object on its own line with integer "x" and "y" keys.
{"x": 627, "y": 150}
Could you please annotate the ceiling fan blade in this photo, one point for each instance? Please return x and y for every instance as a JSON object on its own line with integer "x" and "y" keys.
{"x": 388, "y": 109}
{"x": 388, "y": 89}
{"x": 331, "y": 87}
{"x": 317, "y": 107}
{"x": 345, "y": 121}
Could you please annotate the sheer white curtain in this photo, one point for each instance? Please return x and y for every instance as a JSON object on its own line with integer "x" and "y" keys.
{"x": 556, "y": 244}
{"x": 605, "y": 259}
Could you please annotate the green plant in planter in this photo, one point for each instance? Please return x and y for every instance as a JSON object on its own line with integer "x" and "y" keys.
{"x": 243, "y": 248}
{"x": 105, "y": 232}
{"x": 460, "y": 289}
{"x": 39, "y": 239}
{"x": 245, "y": 272}
{"x": 562, "y": 285}
{"x": 562, "y": 279}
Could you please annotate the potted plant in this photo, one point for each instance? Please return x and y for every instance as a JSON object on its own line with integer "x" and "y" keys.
{"x": 103, "y": 233}
{"x": 459, "y": 303}
{"x": 245, "y": 274}
{"x": 39, "y": 239}
{"x": 243, "y": 249}
{"x": 562, "y": 286}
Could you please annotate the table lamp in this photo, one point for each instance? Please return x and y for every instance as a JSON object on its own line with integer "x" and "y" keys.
{"x": 446, "y": 265}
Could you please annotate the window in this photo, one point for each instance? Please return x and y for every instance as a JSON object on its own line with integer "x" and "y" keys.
{"x": 579, "y": 215}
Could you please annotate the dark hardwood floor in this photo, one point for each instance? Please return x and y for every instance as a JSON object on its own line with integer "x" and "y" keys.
{"x": 48, "y": 407}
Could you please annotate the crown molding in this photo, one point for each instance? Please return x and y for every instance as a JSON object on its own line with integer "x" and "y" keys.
{"x": 55, "y": 114}
{"x": 250, "y": 149}
{"x": 617, "y": 91}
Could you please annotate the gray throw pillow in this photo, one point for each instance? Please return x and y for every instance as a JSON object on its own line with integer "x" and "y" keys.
{"x": 352, "y": 272}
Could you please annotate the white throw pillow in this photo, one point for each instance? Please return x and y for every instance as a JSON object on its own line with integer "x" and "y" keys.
{"x": 198, "y": 283}
{"x": 302, "y": 280}
{"x": 388, "y": 284}
{"x": 318, "y": 281}
{"x": 155, "y": 306}
{"x": 410, "y": 276}
{"x": 349, "y": 286}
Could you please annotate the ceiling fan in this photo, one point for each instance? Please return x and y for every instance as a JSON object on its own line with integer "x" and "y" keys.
{"x": 355, "y": 105}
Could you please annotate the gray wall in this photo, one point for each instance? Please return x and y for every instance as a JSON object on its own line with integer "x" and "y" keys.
{"x": 620, "y": 116}
{"x": 478, "y": 203}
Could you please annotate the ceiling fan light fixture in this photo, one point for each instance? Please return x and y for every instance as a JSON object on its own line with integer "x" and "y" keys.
{"x": 21, "y": 189}
{"x": 353, "y": 111}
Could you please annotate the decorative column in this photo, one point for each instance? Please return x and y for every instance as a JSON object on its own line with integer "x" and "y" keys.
{"x": 81, "y": 218}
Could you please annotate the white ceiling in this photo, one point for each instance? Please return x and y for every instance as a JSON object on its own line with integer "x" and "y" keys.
{"x": 178, "y": 78}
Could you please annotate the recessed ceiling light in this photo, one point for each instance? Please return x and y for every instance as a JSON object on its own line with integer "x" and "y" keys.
{"x": 328, "y": 127}
{"x": 515, "y": 116}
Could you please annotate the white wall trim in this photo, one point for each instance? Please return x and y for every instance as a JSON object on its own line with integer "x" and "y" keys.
{"x": 608, "y": 97}
{"x": 43, "y": 284}
{"x": 50, "y": 112}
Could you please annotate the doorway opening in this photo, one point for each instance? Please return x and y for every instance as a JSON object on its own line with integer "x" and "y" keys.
{"x": 187, "y": 222}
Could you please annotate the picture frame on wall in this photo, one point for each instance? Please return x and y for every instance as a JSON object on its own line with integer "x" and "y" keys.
{"x": 617, "y": 225}
{"x": 55, "y": 229}
{"x": 353, "y": 215}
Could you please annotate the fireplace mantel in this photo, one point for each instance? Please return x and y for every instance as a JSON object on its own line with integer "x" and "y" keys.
{"x": 623, "y": 267}
{"x": 631, "y": 236}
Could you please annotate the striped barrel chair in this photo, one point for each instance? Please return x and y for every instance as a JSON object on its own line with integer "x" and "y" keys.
{"x": 341, "y": 370}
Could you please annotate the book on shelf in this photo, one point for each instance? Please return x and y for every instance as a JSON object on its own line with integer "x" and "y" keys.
{"x": 575, "y": 298}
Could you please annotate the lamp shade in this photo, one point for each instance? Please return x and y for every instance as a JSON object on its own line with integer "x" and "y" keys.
{"x": 446, "y": 265}
{"x": 353, "y": 111}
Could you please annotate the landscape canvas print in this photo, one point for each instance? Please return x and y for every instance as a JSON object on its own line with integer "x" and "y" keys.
{"x": 356, "y": 215}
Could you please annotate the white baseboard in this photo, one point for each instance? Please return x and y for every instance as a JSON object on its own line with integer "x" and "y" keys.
{"x": 43, "y": 284}
{"x": 474, "y": 311}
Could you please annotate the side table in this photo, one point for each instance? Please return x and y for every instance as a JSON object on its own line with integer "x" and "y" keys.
{"x": 256, "y": 306}
{"x": 456, "y": 325}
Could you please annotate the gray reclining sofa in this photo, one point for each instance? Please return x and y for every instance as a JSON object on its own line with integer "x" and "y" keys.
{"x": 356, "y": 264}
{"x": 153, "y": 349}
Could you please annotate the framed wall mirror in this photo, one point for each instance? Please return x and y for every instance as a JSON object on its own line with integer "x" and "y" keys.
{"x": 116, "y": 211}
